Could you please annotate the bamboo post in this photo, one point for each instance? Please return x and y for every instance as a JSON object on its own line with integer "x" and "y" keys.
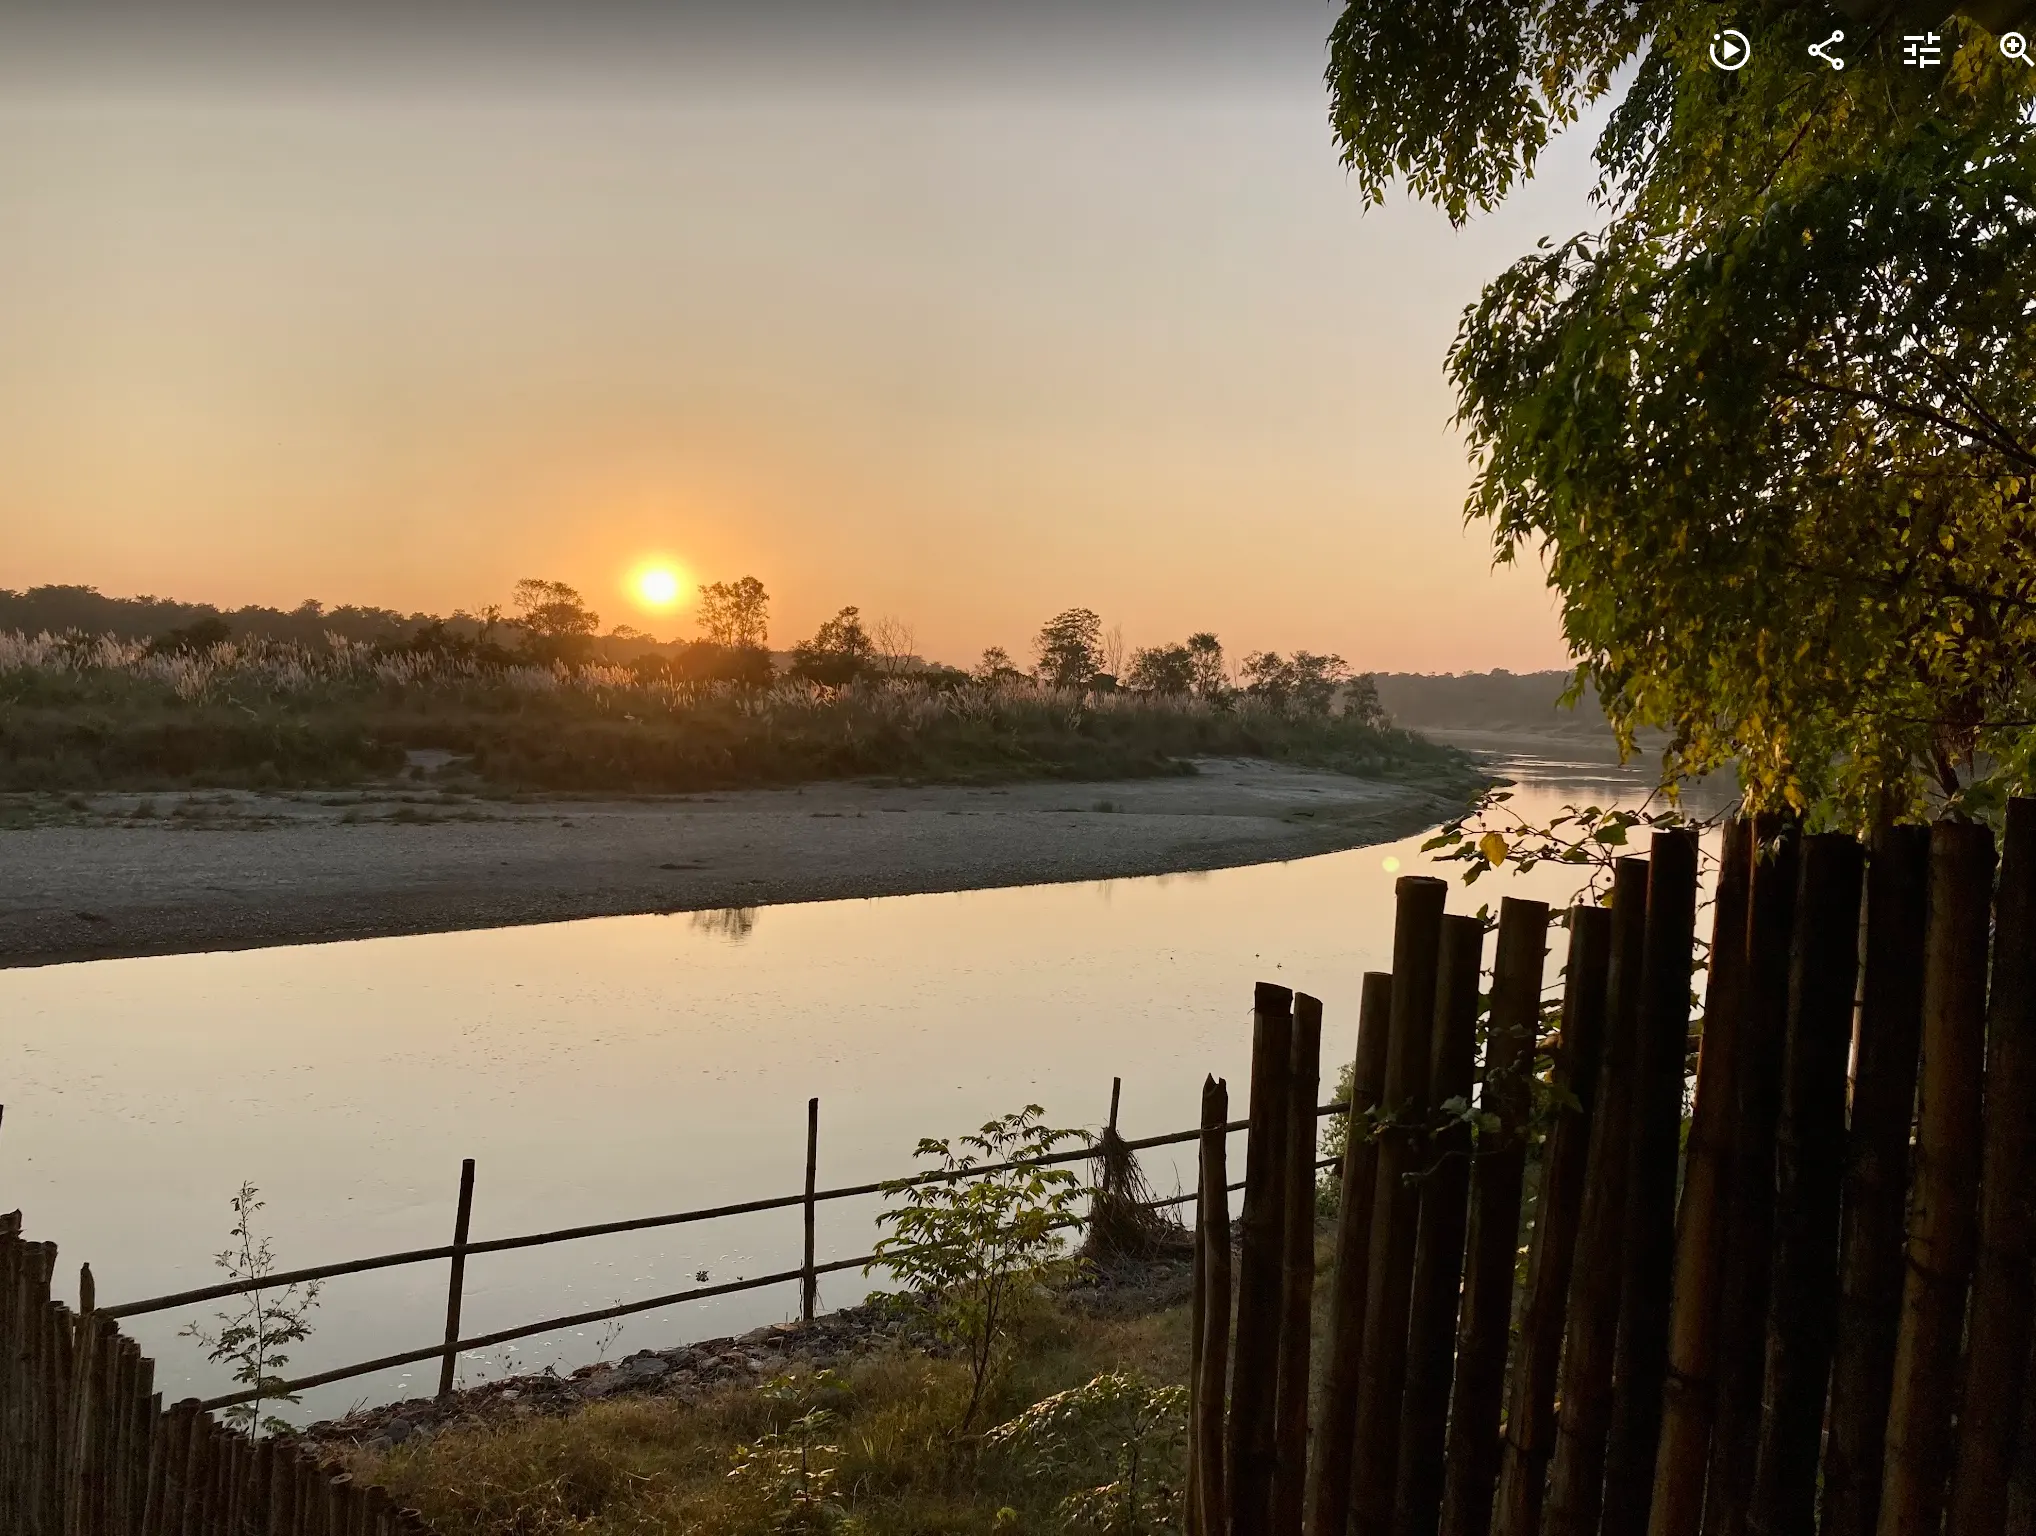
{"x": 1439, "y": 1242}
{"x": 1687, "y": 1403}
{"x": 1328, "y": 1509}
{"x": 1999, "y": 1335}
{"x": 1749, "y": 1222}
{"x": 1530, "y": 1414}
{"x": 1116, "y": 1094}
{"x": 1943, "y": 1209}
{"x": 1212, "y": 1224}
{"x": 1577, "y": 1473}
{"x": 1396, "y": 1201}
{"x": 809, "y": 1282}
{"x": 1809, "y": 1176}
{"x": 1654, "y": 1158}
{"x": 1297, "y": 1308}
{"x": 1875, "y": 1205}
{"x": 1492, "y": 1246}
{"x": 1260, "y": 1295}
{"x": 456, "y": 1285}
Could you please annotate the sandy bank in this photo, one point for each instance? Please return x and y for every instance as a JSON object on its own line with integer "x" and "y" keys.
{"x": 89, "y": 878}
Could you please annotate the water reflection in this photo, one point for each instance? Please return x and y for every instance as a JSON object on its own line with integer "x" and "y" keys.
{"x": 622, "y": 1066}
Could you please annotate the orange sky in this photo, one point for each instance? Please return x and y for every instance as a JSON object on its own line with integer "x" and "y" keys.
{"x": 965, "y": 333}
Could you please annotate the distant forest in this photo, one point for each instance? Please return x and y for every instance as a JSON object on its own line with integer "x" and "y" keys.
{"x": 1488, "y": 701}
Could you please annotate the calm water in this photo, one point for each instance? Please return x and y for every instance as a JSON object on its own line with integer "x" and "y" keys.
{"x": 624, "y": 1066}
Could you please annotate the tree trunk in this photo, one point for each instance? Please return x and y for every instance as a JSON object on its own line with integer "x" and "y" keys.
{"x": 1640, "y": 1353}
{"x": 1530, "y": 1414}
{"x": 1438, "y": 1250}
{"x": 1576, "y": 1479}
{"x": 1254, "y": 1391}
{"x": 1328, "y": 1512}
{"x": 1809, "y": 1175}
{"x": 1943, "y": 1203}
{"x": 1493, "y": 1246}
{"x": 1997, "y": 1349}
{"x": 1876, "y": 1179}
{"x": 1688, "y": 1402}
{"x": 1396, "y": 1205}
{"x": 1298, "y": 1309}
{"x": 1749, "y": 1224}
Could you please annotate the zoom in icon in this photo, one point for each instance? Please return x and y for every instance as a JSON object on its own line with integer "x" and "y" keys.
{"x": 1731, "y": 50}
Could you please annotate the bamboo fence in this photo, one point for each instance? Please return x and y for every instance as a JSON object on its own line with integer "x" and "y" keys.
{"x": 1788, "y": 1286}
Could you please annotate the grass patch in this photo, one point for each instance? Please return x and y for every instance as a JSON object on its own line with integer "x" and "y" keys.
{"x": 79, "y": 715}
{"x": 631, "y": 1468}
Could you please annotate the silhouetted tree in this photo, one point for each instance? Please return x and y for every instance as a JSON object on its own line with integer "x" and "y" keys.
{"x": 838, "y": 653}
{"x": 1305, "y": 683}
{"x": 1212, "y": 678}
{"x": 1070, "y": 648}
{"x": 552, "y": 610}
{"x": 736, "y": 614}
{"x": 996, "y": 666}
{"x": 1163, "y": 669}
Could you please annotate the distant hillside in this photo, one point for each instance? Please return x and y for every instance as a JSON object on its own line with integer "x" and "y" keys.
{"x": 1487, "y": 701}
{"x": 89, "y": 611}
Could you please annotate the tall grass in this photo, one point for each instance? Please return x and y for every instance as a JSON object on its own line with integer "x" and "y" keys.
{"x": 85, "y": 712}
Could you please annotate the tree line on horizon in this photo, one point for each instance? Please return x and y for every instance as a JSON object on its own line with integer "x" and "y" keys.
{"x": 550, "y": 621}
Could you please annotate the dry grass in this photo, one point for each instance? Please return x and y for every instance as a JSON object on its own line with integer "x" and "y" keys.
{"x": 100, "y": 713}
{"x": 655, "y": 1466}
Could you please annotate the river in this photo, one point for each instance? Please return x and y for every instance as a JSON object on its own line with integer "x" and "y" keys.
{"x": 625, "y": 1066}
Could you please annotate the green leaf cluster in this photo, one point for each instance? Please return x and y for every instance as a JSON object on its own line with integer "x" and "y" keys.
{"x": 982, "y": 1239}
{"x": 1772, "y": 425}
{"x": 1120, "y": 1430}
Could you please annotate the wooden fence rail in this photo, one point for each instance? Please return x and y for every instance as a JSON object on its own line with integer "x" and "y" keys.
{"x": 1792, "y": 1320}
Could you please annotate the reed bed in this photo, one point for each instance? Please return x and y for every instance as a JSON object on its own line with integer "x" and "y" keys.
{"x": 97, "y": 712}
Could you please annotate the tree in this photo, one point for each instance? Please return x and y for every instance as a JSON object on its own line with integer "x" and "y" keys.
{"x": 1161, "y": 669}
{"x": 554, "y": 611}
{"x": 896, "y": 646}
{"x": 1773, "y": 426}
{"x": 736, "y": 614}
{"x": 996, "y": 666}
{"x": 982, "y": 1244}
{"x": 1070, "y": 648}
{"x": 1304, "y": 683}
{"x": 1205, "y": 656}
{"x": 253, "y": 1335}
{"x": 839, "y": 652}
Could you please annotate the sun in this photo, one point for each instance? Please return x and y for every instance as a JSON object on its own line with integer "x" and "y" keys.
{"x": 658, "y": 584}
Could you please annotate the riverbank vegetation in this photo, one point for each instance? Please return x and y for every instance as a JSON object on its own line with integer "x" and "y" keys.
{"x": 541, "y": 704}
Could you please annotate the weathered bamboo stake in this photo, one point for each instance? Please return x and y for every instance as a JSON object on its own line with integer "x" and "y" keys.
{"x": 1297, "y": 1311}
{"x": 1211, "y": 1340}
{"x": 1255, "y": 1394}
{"x": 1576, "y": 1473}
{"x": 1998, "y": 1336}
{"x": 1439, "y": 1241}
{"x": 1687, "y": 1403}
{"x": 456, "y": 1284}
{"x": 809, "y": 1282}
{"x": 1749, "y": 1222}
{"x": 1328, "y": 1511}
{"x": 1396, "y": 1202}
{"x": 1875, "y": 1203}
{"x": 1802, "y": 1308}
{"x": 1530, "y": 1414}
{"x": 1640, "y": 1353}
{"x": 1943, "y": 1208}
{"x": 2021, "y": 1511}
{"x": 1492, "y": 1247}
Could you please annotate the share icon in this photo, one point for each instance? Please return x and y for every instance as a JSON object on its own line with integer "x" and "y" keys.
{"x": 1823, "y": 50}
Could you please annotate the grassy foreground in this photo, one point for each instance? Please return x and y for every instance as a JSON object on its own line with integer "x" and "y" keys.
{"x": 100, "y": 713}
{"x": 632, "y": 1468}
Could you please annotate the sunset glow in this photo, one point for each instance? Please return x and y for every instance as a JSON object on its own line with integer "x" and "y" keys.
{"x": 658, "y": 586}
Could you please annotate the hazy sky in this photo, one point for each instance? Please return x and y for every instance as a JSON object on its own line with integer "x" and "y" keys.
{"x": 964, "y": 313}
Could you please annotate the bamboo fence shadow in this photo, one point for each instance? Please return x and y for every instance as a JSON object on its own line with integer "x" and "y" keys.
{"x": 1780, "y": 1269}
